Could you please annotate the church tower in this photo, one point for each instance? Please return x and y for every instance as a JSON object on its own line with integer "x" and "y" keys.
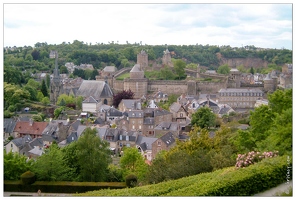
{"x": 56, "y": 87}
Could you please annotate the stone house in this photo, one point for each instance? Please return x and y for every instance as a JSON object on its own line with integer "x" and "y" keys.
{"x": 129, "y": 104}
{"x": 122, "y": 123}
{"x": 34, "y": 129}
{"x": 165, "y": 142}
{"x": 18, "y": 144}
{"x": 160, "y": 96}
{"x": 179, "y": 112}
{"x": 135, "y": 118}
{"x": 164, "y": 127}
{"x": 144, "y": 145}
{"x": 108, "y": 71}
{"x": 161, "y": 115}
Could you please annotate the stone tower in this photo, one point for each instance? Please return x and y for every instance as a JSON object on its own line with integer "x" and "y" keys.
{"x": 234, "y": 78}
{"x": 56, "y": 87}
{"x": 166, "y": 59}
{"x": 137, "y": 83}
{"x": 269, "y": 85}
{"x": 142, "y": 59}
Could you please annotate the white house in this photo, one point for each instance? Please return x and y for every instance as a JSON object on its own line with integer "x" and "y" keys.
{"x": 90, "y": 104}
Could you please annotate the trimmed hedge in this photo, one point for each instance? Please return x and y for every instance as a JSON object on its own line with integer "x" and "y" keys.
{"x": 230, "y": 181}
{"x": 60, "y": 186}
{"x": 28, "y": 178}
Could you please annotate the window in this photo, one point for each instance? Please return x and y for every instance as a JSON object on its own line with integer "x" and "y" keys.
{"x": 133, "y": 127}
{"x": 158, "y": 143}
{"x": 120, "y": 144}
{"x": 128, "y": 144}
{"x": 140, "y": 127}
{"x": 11, "y": 145}
{"x": 120, "y": 137}
{"x": 127, "y": 138}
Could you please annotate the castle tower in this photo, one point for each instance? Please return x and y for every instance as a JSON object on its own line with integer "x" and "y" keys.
{"x": 166, "y": 59}
{"x": 269, "y": 85}
{"x": 136, "y": 83}
{"x": 56, "y": 87}
{"x": 234, "y": 79}
{"x": 142, "y": 59}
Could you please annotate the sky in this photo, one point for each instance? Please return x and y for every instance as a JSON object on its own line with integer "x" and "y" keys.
{"x": 265, "y": 25}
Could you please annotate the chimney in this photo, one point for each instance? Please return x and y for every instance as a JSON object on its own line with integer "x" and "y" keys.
{"x": 31, "y": 122}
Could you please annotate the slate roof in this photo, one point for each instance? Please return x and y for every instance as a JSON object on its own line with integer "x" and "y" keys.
{"x": 99, "y": 121}
{"x": 36, "y": 151}
{"x": 97, "y": 89}
{"x": 114, "y": 112}
{"x": 172, "y": 126}
{"x": 90, "y": 99}
{"x": 20, "y": 142}
{"x": 168, "y": 139}
{"x": 132, "y": 135}
{"x": 160, "y": 112}
{"x": 75, "y": 125}
{"x": 242, "y": 90}
{"x": 147, "y": 141}
{"x": 131, "y": 103}
{"x": 136, "y": 114}
{"x": 112, "y": 132}
{"x": 72, "y": 137}
{"x": 80, "y": 130}
{"x": 175, "y": 107}
{"x": 101, "y": 132}
{"x": 8, "y": 125}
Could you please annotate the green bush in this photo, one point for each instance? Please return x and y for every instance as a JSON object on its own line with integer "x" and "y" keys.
{"x": 131, "y": 180}
{"x": 28, "y": 178}
{"x": 229, "y": 181}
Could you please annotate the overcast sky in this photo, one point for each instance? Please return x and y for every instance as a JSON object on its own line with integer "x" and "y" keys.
{"x": 261, "y": 25}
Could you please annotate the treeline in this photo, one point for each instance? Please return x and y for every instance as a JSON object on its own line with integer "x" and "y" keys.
{"x": 124, "y": 55}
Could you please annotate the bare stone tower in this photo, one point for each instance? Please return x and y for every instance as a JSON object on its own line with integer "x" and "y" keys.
{"x": 166, "y": 59}
{"x": 136, "y": 83}
{"x": 142, "y": 59}
{"x": 234, "y": 79}
{"x": 56, "y": 87}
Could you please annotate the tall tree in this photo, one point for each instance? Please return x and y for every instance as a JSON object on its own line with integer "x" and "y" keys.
{"x": 93, "y": 156}
{"x": 51, "y": 166}
{"x": 132, "y": 162}
{"x": 179, "y": 67}
{"x": 44, "y": 89}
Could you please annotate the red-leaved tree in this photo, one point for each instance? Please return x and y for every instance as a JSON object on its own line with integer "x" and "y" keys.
{"x": 125, "y": 94}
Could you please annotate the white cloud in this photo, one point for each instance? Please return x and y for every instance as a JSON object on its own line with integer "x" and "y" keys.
{"x": 214, "y": 24}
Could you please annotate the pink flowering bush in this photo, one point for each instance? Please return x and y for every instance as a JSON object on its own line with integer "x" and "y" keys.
{"x": 244, "y": 160}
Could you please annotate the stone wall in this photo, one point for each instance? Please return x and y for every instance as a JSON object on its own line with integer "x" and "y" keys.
{"x": 210, "y": 87}
{"x": 169, "y": 87}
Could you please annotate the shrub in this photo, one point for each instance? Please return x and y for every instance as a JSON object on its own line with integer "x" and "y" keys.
{"x": 131, "y": 180}
{"x": 244, "y": 160}
{"x": 28, "y": 178}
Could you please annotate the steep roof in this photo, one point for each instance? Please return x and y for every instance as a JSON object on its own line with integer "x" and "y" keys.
{"x": 147, "y": 140}
{"x": 90, "y": 99}
{"x": 97, "y": 89}
{"x": 20, "y": 142}
{"x": 175, "y": 107}
{"x": 168, "y": 138}
{"x": 26, "y": 128}
{"x": 9, "y": 124}
{"x": 136, "y": 68}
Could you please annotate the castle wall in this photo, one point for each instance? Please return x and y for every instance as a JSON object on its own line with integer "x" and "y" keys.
{"x": 210, "y": 87}
{"x": 138, "y": 86}
{"x": 169, "y": 87}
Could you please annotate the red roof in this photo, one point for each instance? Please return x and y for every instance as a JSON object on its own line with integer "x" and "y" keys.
{"x": 36, "y": 128}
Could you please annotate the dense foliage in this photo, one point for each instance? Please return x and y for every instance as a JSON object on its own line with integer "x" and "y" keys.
{"x": 224, "y": 182}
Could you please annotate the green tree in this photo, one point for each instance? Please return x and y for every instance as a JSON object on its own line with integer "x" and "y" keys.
{"x": 44, "y": 89}
{"x": 51, "y": 166}
{"x": 203, "y": 117}
{"x": 32, "y": 92}
{"x": 167, "y": 74}
{"x": 125, "y": 63}
{"x": 14, "y": 165}
{"x": 93, "y": 156}
{"x": 179, "y": 67}
{"x": 280, "y": 100}
{"x": 252, "y": 70}
{"x": 37, "y": 118}
{"x": 34, "y": 84}
{"x": 12, "y": 75}
{"x": 63, "y": 70}
{"x": 223, "y": 69}
{"x": 40, "y": 96}
{"x": 132, "y": 162}
{"x": 45, "y": 101}
{"x": 47, "y": 80}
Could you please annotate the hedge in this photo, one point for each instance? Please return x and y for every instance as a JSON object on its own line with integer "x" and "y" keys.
{"x": 60, "y": 186}
{"x": 230, "y": 181}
